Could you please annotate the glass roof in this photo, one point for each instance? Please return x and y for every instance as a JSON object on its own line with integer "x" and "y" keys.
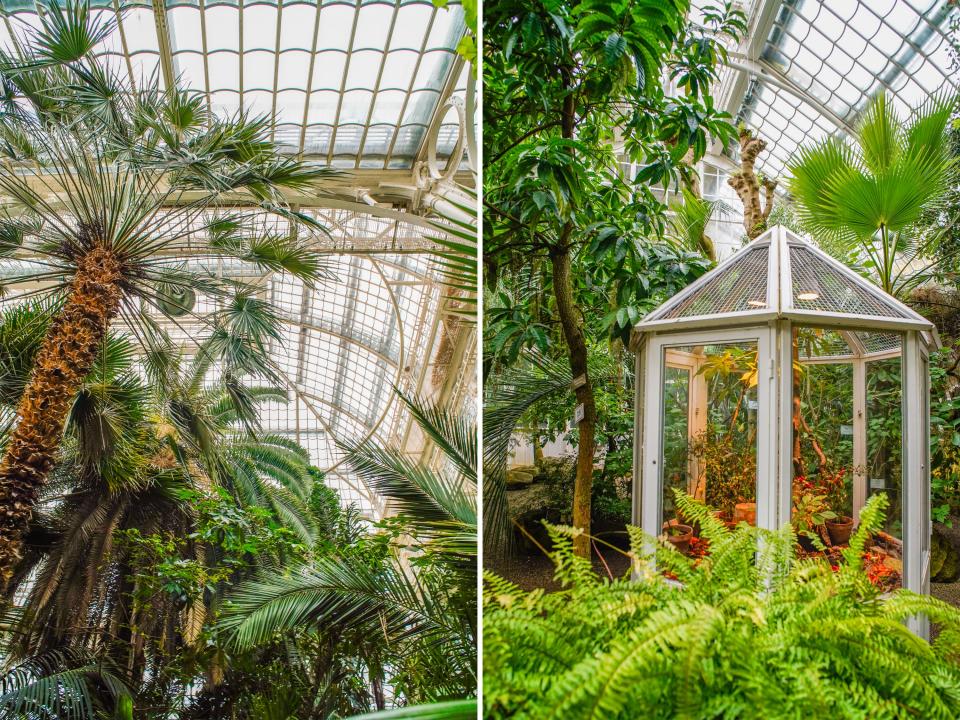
{"x": 345, "y": 343}
{"x": 352, "y": 84}
{"x": 822, "y": 61}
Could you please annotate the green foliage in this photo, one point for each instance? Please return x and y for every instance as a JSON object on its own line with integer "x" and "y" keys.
{"x": 866, "y": 196}
{"x": 420, "y": 596}
{"x": 746, "y": 635}
{"x": 62, "y": 685}
{"x": 569, "y": 90}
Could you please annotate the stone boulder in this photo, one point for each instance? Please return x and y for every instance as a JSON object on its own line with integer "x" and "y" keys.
{"x": 519, "y": 478}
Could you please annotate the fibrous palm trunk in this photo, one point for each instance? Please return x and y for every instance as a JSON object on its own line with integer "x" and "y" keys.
{"x": 64, "y": 360}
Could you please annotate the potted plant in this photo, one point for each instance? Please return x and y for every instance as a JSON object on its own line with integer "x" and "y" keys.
{"x": 678, "y": 535}
{"x": 833, "y": 485}
{"x": 810, "y": 514}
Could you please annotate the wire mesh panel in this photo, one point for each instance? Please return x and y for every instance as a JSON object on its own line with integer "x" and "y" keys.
{"x": 820, "y": 343}
{"x": 819, "y": 287}
{"x": 739, "y": 287}
{"x": 880, "y": 342}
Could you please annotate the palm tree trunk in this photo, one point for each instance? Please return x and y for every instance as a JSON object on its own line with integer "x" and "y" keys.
{"x": 63, "y": 362}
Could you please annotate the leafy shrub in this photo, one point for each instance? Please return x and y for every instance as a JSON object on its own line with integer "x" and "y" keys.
{"x": 745, "y": 635}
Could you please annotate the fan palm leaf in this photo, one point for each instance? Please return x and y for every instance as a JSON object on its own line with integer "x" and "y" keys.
{"x": 867, "y": 193}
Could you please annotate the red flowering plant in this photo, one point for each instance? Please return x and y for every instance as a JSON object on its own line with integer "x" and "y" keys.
{"x": 832, "y": 484}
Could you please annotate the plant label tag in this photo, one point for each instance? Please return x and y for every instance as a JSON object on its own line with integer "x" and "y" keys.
{"x": 752, "y": 404}
{"x": 846, "y": 429}
{"x": 877, "y": 483}
{"x": 578, "y": 414}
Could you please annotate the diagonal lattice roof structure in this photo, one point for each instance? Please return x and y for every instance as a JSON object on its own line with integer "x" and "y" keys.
{"x": 376, "y": 89}
{"x": 781, "y": 275}
{"x": 807, "y": 69}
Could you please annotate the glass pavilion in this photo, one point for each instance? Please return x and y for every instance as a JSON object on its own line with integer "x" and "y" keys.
{"x": 376, "y": 89}
{"x": 739, "y": 365}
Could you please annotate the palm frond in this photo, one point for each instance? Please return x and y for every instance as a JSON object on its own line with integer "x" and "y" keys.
{"x": 452, "y": 433}
{"x": 449, "y": 710}
{"x": 457, "y": 261}
{"x": 509, "y": 396}
{"x": 61, "y": 685}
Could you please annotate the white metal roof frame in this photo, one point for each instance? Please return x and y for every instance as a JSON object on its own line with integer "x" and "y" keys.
{"x": 780, "y": 302}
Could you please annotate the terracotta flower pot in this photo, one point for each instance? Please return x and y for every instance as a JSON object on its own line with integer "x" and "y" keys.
{"x": 678, "y": 535}
{"x": 840, "y": 530}
{"x": 745, "y": 512}
{"x": 724, "y": 517}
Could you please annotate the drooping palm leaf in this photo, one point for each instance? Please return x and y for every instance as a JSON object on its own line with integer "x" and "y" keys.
{"x": 457, "y": 261}
{"x": 451, "y": 710}
{"x": 62, "y": 685}
{"x": 509, "y": 396}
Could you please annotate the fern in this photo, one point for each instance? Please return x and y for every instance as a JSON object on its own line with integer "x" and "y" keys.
{"x": 745, "y": 634}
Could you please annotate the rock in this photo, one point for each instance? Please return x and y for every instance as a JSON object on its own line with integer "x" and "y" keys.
{"x": 529, "y": 505}
{"x": 518, "y": 479}
{"x": 944, "y": 557}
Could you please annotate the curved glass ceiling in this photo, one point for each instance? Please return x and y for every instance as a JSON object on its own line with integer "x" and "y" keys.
{"x": 808, "y": 68}
{"x": 352, "y": 84}
{"x": 822, "y": 61}
{"x": 355, "y": 85}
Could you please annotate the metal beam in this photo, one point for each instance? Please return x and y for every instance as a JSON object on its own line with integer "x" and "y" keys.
{"x": 164, "y": 43}
{"x": 764, "y": 72}
{"x": 734, "y": 88}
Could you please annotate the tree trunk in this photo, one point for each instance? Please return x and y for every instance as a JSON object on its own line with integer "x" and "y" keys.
{"x": 65, "y": 358}
{"x": 573, "y": 334}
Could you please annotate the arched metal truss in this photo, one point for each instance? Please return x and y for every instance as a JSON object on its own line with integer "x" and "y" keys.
{"x": 807, "y": 69}
{"x": 373, "y": 87}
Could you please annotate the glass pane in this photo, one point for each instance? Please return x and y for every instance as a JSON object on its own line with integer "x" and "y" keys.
{"x": 709, "y": 435}
{"x": 884, "y": 455}
{"x": 823, "y": 438}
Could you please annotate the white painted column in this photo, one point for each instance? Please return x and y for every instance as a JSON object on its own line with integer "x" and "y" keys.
{"x": 859, "y": 479}
{"x": 650, "y": 477}
{"x": 783, "y": 477}
{"x": 638, "y": 418}
{"x": 914, "y": 468}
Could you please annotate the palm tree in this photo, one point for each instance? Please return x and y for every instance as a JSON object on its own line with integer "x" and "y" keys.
{"x": 66, "y": 686}
{"x": 867, "y": 193}
{"x": 423, "y": 601}
{"x": 124, "y": 181}
{"x": 135, "y": 458}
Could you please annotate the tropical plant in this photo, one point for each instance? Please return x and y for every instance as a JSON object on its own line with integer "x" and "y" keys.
{"x": 66, "y": 686}
{"x": 161, "y": 497}
{"x": 424, "y": 601}
{"x": 457, "y": 260}
{"x": 107, "y": 184}
{"x": 572, "y": 95}
{"x": 744, "y": 634}
{"x": 868, "y": 193}
{"x": 687, "y": 226}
